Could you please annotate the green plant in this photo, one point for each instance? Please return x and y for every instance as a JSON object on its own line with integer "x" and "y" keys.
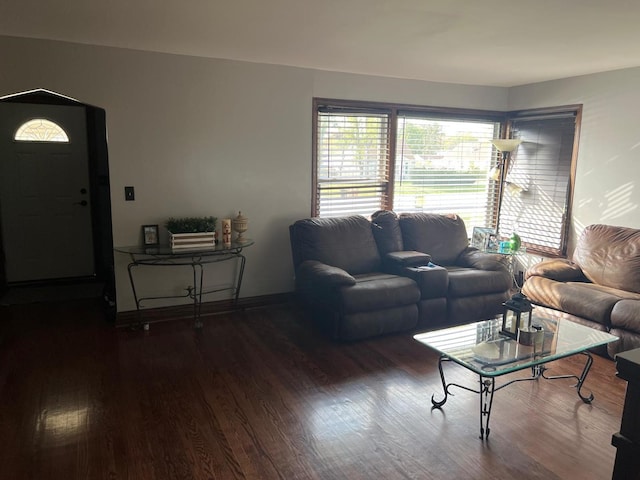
{"x": 191, "y": 224}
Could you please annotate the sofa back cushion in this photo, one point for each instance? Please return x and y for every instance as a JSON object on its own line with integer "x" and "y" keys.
{"x": 610, "y": 256}
{"x": 444, "y": 237}
{"x": 386, "y": 230}
{"x": 343, "y": 242}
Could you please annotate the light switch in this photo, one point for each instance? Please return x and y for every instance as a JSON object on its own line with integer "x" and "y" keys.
{"x": 129, "y": 194}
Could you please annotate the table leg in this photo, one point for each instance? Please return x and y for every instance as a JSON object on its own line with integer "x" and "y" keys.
{"x": 197, "y": 294}
{"x": 581, "y": 379}
{"x": 487, "y": 389}
{"x": 135, "y": 297}
{"x": 435, "y": 403}
{"x": 485, "y": 393}
{"x": 239, "y": 284}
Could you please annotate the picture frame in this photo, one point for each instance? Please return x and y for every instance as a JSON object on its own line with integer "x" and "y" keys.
{"x": 484, "y": 239}
{"x": 150, "y": 236}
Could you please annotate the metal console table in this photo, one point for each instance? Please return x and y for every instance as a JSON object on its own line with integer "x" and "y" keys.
{"x": 165, "y": 256}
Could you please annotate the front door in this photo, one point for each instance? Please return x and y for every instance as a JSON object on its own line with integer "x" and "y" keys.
{"x": 44, "y": 196}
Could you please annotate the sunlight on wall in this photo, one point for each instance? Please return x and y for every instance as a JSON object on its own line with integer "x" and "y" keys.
{"x": 619, "y": 202}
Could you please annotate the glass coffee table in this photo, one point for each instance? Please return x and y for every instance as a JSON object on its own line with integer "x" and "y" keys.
{"x": 482, "y": 349}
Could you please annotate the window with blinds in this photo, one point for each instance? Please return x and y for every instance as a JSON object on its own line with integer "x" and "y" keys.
{"x": 443, "y": 165}
{"x": 537, "y": 193}
{"x": 352, "y": 162}
{"x": 369, "y": 156}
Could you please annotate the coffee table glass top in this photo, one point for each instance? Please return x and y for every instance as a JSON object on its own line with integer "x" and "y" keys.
{"x": 481, "y": 347}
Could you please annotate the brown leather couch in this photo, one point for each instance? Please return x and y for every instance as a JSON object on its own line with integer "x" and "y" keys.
{"x": 598, "y": 287}
{"x": 396, "y": 273}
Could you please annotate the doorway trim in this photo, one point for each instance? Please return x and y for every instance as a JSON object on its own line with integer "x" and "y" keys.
{"x": 100, "y": 195}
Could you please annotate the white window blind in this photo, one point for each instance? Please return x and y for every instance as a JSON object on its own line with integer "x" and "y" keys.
{"x": 536, "y": 196}
{"x": 352, "y": 155}
{"x": 370, "y": 156}
{"x": 443, "y": 165}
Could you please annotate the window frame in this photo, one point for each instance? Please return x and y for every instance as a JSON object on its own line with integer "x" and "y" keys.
{"x": 393, "y": 110}
{"x": 504, "y": 118}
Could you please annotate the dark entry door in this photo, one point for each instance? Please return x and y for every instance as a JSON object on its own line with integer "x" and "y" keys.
{"x": 45, "y": 196}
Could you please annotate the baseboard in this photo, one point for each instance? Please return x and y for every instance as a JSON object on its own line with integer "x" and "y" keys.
{"x": 179, "y": 312}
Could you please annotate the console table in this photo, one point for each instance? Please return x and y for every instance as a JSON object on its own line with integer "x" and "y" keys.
{"x": 196, "y": 258}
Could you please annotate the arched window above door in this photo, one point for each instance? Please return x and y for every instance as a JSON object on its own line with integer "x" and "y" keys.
{"x": 41, "y": 130}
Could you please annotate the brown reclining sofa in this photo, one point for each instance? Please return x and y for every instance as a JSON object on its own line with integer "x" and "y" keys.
{"x": 361, "y": 278}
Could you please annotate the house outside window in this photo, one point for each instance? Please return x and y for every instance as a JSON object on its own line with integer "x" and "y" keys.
{"x": 372, "y": 156}
{"x": 442, "y": 165}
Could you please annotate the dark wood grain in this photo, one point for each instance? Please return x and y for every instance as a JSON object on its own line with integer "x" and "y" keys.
{"x": 262, "y": 395}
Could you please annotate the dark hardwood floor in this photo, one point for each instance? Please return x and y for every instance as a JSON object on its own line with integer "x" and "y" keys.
{"x": 261, "y": 395}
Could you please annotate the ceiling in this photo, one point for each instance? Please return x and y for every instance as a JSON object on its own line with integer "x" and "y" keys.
{"x": 479, "y": 42}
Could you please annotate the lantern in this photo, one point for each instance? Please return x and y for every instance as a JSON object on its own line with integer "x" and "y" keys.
{"x": 516, "y": 315}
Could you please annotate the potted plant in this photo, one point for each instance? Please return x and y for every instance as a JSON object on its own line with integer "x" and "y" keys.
{"x": 191, "y": 232}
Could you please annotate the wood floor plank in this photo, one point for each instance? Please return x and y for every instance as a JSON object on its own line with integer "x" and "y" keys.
{"x": 262, "y": 395}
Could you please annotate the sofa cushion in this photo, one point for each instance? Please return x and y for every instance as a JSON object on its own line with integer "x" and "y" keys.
{"x": 376, "y": 291}
{"x": 610, "y": 256}
{"x": 444, "y": 237}
{"x": 476, "y": 307}
{"x": 359, "y": 325}
{"x": 586, "y": 300}
{"x": 343, "y": 242}
{"x": 386, "y": 231}
{"x": 466, "y": 282}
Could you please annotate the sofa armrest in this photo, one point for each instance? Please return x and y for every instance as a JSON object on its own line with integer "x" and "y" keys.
{"x": 396, "y": 262}
{"x": 327, "y": 275}
{"x": 407, "y": 258}
{"x": 559, "y": 269}
{"x": 473, "y": 258}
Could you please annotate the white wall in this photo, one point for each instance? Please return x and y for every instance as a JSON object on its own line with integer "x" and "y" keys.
{"x": 199, "y": 136}
{"x": 607, "y": 188}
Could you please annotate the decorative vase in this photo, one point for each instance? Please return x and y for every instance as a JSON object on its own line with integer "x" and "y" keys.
{"x": 240, "y": 226}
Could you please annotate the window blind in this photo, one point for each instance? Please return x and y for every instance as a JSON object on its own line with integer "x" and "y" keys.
{"x": 443, "y": 165}
{"x": 352, "y": 155}
{"x": 538, "y": 182}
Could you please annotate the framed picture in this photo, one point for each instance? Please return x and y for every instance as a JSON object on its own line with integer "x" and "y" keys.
{"x": 484, "y": 239}
{"x": 150, "y": 235}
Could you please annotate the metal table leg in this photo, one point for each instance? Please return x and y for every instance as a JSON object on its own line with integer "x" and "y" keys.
{"x": 485, "y": 393}
{"x": 135, "y": 297}
{"x": 581, "y": 379}
{"x": 488, "y": 388}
